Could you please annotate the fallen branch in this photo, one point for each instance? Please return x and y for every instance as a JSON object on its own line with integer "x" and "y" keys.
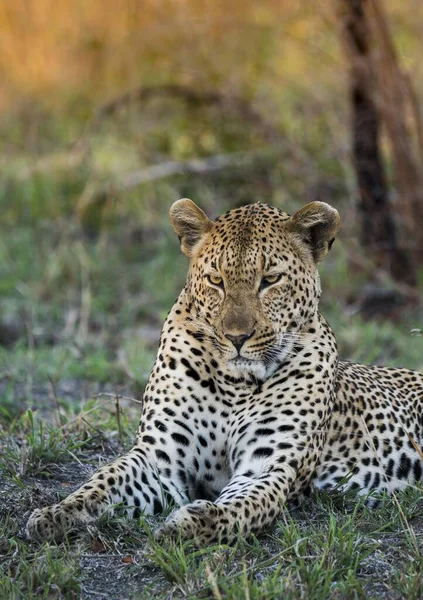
{"x": 196, "y": 166}
{"x": 94, "y": 193}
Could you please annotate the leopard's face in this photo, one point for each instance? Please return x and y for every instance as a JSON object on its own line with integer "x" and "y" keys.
{"x": 252, "y": 285}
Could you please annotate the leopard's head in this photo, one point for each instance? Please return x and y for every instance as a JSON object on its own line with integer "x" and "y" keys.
{"x": 253, "y": 285}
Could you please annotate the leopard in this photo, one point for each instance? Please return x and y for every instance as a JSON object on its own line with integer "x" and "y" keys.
{"x": 248, "y": 405}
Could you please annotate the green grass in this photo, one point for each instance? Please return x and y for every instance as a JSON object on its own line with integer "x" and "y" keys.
{"x": 43, "y": 574}
{"x": 33, "y": 448}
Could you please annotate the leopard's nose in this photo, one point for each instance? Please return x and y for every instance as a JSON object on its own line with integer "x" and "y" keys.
{"x": 239, "y": 340}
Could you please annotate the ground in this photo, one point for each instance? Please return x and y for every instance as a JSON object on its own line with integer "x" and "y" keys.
{"x": 82, "y": 299}
{"x": 325, "y": 549}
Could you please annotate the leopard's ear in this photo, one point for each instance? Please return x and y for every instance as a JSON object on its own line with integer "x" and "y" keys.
{"x": 190, "y": 224}
{"x": 316, "y": 224}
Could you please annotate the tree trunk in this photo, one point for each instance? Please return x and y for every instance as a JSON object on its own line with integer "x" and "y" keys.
{"x": 390, "y": 233}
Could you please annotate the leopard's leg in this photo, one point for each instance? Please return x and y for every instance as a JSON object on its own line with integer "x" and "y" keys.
{"x": 133, "y": 480}
{"x": 248, "y": 503}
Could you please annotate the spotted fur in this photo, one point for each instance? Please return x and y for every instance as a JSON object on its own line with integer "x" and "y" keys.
{"x": 248, "y": 405}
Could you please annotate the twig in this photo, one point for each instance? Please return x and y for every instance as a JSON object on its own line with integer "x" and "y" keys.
{"x": 30, "y": 352}
{"x": 108, "y": 395}
{"x": 89, "y": 592}
{"x": 97, "y": 556}
{"x": 75, "y": 457}
{"x": 98, "y": 431}
{"x": 119, "y": 424}
{"x": 79, "y": 417}
{"x": 56, "y": 401}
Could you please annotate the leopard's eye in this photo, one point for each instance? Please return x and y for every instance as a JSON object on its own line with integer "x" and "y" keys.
{"x": 215, "y": 280}
{"x": 270, "y": 280}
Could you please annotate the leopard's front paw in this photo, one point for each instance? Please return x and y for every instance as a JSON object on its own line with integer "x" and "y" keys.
{"x": 45, "y": 524}
{"x": 201, "y": 521}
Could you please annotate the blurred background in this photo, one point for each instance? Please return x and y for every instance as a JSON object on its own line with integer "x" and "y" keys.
{"x": 110, "y": 111}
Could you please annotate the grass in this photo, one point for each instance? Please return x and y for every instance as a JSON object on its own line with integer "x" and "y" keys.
{"x": 82, "y": 300}
{"x": 45, "y": 573}
{"x": 37, "y": 450}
